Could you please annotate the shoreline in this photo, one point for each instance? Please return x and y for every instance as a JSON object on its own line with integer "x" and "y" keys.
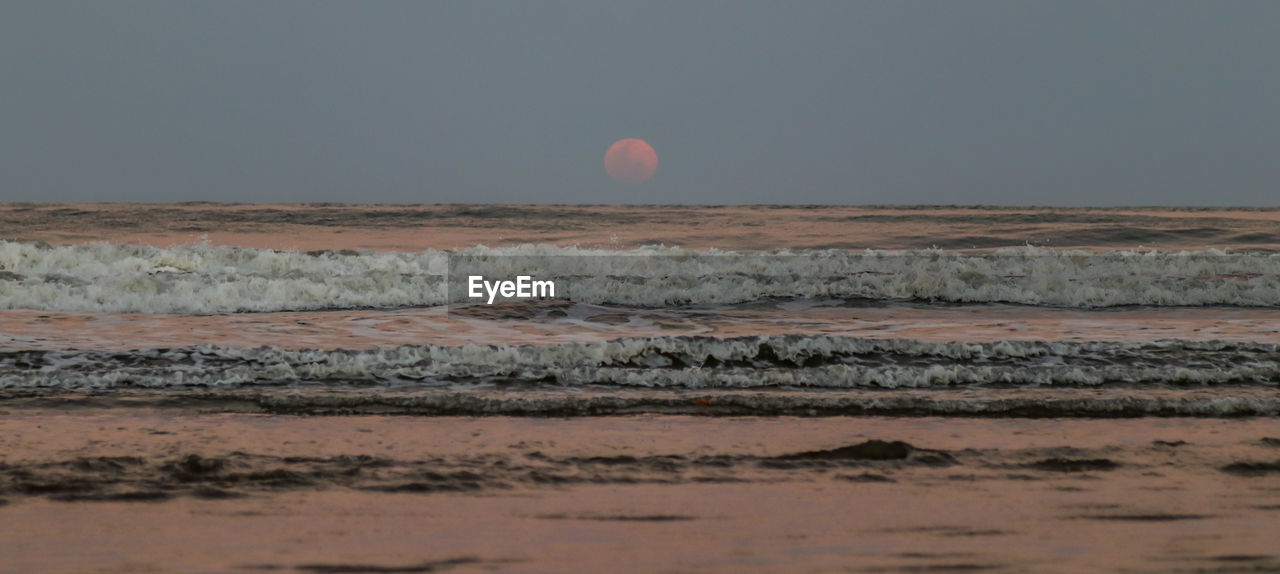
{"x": 1029, "y": 404}
{"x": 415, "y": 228}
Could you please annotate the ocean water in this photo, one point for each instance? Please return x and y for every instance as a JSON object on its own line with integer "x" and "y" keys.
{"x": 811, "y": 311}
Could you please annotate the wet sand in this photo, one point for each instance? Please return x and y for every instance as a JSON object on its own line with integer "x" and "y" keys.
{"x": 150, "y": 490}
{"x": 25, "y": 329}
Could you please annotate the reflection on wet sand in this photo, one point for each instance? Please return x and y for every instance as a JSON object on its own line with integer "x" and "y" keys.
{"x": 565, "y": 323}
{"x": 171, "y": 490}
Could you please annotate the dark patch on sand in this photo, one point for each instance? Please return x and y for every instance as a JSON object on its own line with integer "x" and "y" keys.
{"x": 871, "y": 450}
{"x": 194, "y": 467}
{"x": 1252, "y": 468}
{"x": 56, "y": 486}
{"x": 1169, "y": 442}
{"x": 865, "y": 477}
{"x": 1073, "y": 464}
{"x": 129, "y": 496}
{"x": 933, "y": 554}
{"x": 440, "y": 483}
{"x": 718, "y": 479}
{"x": 668, "y": 463}
{"x": 240, "y": 474}
{"x": 988, "y": 532}
{"x": 431, "y": 566}
{"x": 1241, "y": 557}
{"x": 1270, "y": 441}
{"x": 1145, "y": 517}
{"x": 949, "y": 531}
{"x": 621, "y": 517}
{"x": 114, "y": 464}
{"x": 276, "y": 477}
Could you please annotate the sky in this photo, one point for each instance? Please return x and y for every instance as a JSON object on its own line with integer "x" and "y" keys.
{"x": 747, "y": 101}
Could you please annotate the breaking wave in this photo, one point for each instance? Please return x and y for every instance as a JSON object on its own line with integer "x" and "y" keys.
{"x": 212, "y": 279}
{"x": 796, "y": 362}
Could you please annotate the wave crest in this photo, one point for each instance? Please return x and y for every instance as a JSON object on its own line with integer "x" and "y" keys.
{"x": 759, "y": 362}
{"x": 211, "y": 279}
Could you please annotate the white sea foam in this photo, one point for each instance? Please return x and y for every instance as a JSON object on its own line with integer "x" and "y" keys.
{"x": 209, "y": 279}
{"x": 1233, "y": 402}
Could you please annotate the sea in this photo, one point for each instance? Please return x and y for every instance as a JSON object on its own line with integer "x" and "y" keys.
{"x": 717, "y": 311}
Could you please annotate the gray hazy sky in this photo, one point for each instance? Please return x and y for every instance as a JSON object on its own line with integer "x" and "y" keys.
{"x": 940, "y": 102}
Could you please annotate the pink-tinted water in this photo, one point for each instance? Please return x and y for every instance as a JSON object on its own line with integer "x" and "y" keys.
{"x": 414, "y": 228}
{"x": 366, "y": 329}
{"x": 419, "y": 227}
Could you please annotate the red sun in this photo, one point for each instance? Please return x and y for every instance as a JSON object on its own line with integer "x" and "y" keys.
{"x": 631, "y": 160}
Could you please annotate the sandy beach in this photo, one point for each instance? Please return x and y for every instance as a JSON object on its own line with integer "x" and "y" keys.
{"x": 152, "y": 490}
